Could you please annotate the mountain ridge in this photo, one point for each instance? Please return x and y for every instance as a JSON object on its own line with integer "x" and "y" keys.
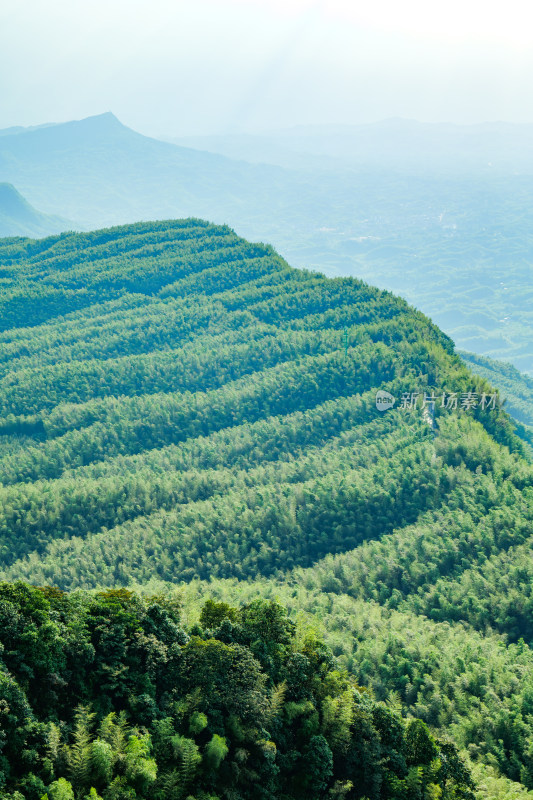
{"x": 458, "y": 249}
{"x": 183, "y": 413}
{"x": 19, "y": 218}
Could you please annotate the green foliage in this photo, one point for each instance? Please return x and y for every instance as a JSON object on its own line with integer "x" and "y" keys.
{"x": 60, "y": 790}
{"x": 221, "y": 725}
{"x": 93, "y": 795}
{"x": 214, "y": 613}
{"x": 197, "y": 723}
{"x": 421, "y": 748}
{"x": 203, "y": 419}
{"x": 179, "y": 405}
{"x": 101, "y": 761}
{"x": 316, "y": 766}
{"x": 216, "y": 751}
{"x": 79, "y": 755}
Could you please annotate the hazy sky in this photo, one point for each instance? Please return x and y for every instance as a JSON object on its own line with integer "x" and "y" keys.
{"x": 176, "y": 68}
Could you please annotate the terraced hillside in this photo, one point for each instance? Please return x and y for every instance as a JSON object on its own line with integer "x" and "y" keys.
{"x": 179, "y": 405}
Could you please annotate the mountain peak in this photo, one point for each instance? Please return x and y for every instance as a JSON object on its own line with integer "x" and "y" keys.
{"x": 107, "y": 119}
{"x": 106, "y": 123}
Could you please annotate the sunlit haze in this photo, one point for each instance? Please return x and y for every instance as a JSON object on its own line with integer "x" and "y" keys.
{"x": 177, "y": 68}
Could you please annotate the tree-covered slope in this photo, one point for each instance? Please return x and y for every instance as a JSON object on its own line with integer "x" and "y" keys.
{"x": 458, "y": 681}
{"x": 178, "y": 404}
{"x": 515, "y": 388}
{"x": 111, "y": 696}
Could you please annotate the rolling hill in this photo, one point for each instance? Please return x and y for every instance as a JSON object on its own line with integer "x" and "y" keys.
{"x": 180, "y": 410}
{"x": 447, "y": 232}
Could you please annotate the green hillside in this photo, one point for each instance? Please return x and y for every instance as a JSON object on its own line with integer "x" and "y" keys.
{"x": 414, "y": 209}
{"x": 514, "y": 387}
{"x": 181, "y": 408}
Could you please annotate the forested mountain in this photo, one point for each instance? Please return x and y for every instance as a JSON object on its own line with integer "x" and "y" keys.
{"x": 19, "y": 218}
{"x": 97, "y": 171}
{"x": 234, "y": 707}
{"x": 181, "y": 411}
{"x": 437, "y": 214}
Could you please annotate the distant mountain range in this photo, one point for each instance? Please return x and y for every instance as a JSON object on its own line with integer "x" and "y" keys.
{"x": 97, "y": 171}
{"x": 438, "y": 214}
{"x": 392, "y": 144}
